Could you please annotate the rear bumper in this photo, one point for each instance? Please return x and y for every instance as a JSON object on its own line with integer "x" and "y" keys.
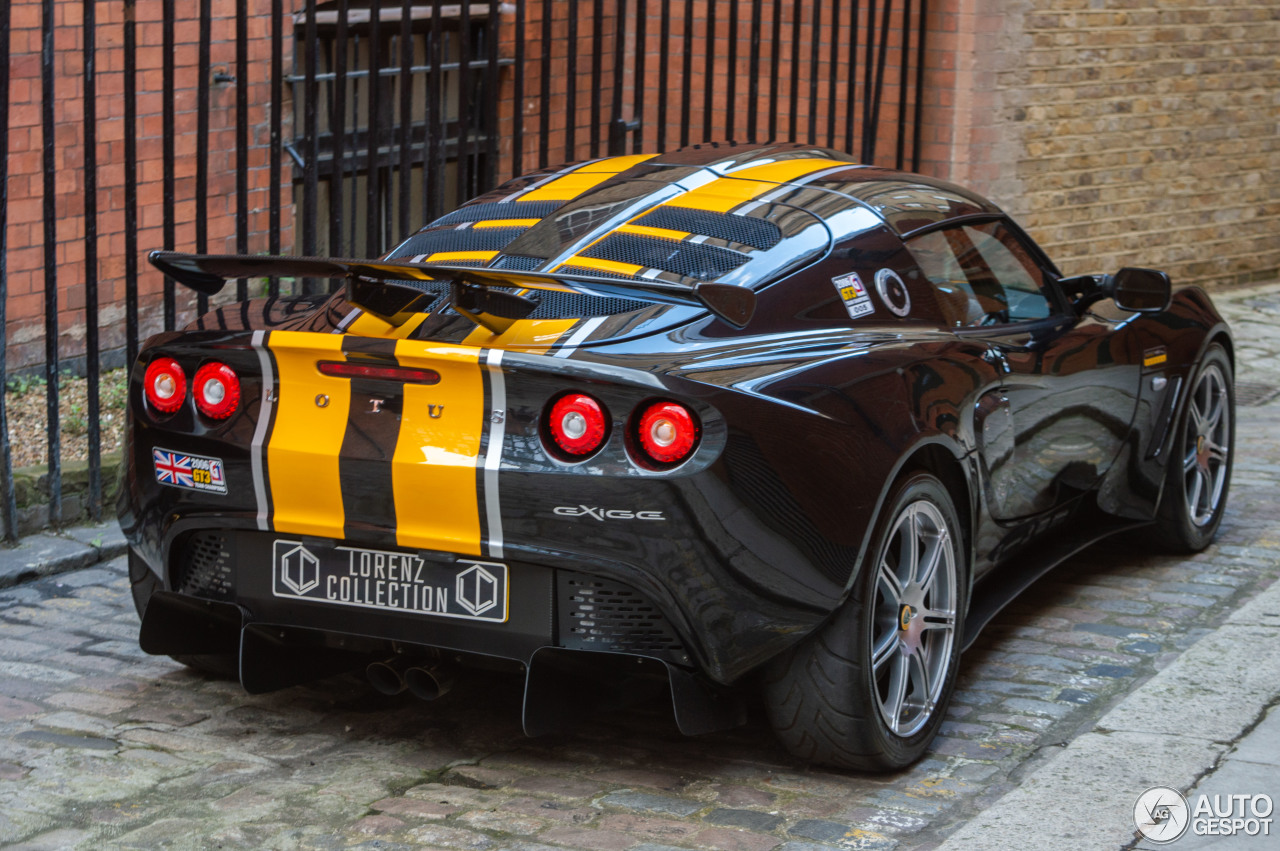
{"x": 724, "y": 549}
{"x": 442, "y": 601}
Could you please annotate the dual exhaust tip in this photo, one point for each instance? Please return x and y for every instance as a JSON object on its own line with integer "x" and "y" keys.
{"x": 425, "y": 681}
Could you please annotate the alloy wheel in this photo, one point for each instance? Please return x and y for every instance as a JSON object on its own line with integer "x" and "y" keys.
{"x": 1206, "y": 450}
{"x": 914, "y": 623}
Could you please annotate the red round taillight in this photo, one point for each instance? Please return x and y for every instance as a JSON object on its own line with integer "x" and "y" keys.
{"x": 165, "y": 385}
{"x": 577, "y": 424}
{"x": 217, "y": 390}
{"x": 668, "y": 432}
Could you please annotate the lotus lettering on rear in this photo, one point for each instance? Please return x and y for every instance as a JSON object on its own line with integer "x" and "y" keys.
{"x": 603, "y": 514}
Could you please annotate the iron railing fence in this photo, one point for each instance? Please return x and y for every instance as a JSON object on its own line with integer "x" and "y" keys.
{"x": 341, "y": 126}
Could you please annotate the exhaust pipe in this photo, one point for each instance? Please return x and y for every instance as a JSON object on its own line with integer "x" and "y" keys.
{"x": 389, "y": 677}
{"x": 429, "y": 683}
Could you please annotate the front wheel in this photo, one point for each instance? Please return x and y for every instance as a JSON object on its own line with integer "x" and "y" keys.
{"x": 1199, "y": 466}
{"x": 870, "y": 688}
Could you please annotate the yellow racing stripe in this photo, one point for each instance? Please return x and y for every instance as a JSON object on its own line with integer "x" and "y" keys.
{"x": 786, "y": 171}
{"x": 311, "y": 421}
{"x": 591, "y": 263}
{"x": 660, "y": 233}
{"x": 433, "y": 470}
{"x": 564, "y": 188}
{"x": 524, "y": 335}
{"x": 616, "y": 165}
{"x": 581, "y": 179}
{"x": 721, "y": 196}
{"x": 368, "y": 325}
{"x": 506, "y": 223}
{"x": 446, "y": 256}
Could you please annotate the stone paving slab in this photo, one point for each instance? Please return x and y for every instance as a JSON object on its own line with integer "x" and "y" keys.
{"x": 43, "y": 555}
{"x": 1172, "y": 730}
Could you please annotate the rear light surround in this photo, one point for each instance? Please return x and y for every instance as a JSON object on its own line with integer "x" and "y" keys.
{"x": 164, "y": 385}
{"x": 575, "y": 426}
{"x": 665, "y": 434}
{"x": 216, "y": 389}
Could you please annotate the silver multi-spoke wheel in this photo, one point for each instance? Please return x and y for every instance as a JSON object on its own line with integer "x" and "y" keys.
{"x": 1207, "y": 445}
{"x": 869, "y": 689}
{"x": 914, "y": 626}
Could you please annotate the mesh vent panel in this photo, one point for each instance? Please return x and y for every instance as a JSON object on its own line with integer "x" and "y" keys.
{"x": 599, "y": 273}
{"x": 455, "y": 239}
{"x": 753, "y": 475}
{"x": 205, "y": 569}
{"x": 758, "y": 233}
{"x": 558, "y": 305}
{"x": 497, "y": 210}
{"x": 473, "y": 263}
{"x": 690, "y": 259}
{"x": 596, "y": 614}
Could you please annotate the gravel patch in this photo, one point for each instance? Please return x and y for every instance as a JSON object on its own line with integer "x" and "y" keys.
{"x": 26, "y": 405}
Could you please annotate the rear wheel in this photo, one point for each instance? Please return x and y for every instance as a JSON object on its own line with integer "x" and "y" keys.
{"x": 1199, "y": 467}
{"x": 870, "y": 688}
{"x": 143, "y": 583}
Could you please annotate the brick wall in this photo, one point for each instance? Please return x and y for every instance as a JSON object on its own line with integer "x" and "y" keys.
{"x": 25, "y": 258}
{"x": 1130, "y": 132}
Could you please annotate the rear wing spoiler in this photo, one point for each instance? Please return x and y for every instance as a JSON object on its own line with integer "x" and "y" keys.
{"x": 486, "y": 296}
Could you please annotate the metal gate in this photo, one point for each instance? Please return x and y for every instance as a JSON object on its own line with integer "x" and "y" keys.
{"x": 339, "y": 126}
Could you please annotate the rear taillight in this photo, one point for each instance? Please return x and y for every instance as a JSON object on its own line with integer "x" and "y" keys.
{"x": 217, "y": 390}
{"x": 668, "y": 432}
{"x": 577, "y": 424}
{"x": 165, "y": 385}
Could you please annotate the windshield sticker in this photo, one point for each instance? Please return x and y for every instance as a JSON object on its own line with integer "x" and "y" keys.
{"x": 854, "y": 293}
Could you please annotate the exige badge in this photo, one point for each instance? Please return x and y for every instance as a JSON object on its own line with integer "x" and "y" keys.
{"x": 603, "y": 514}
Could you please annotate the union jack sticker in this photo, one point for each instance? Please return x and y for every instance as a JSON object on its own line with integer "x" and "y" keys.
{"x": 194, "y": 472}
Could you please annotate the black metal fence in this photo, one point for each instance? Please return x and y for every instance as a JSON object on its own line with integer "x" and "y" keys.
{"x": 338, "y": 127}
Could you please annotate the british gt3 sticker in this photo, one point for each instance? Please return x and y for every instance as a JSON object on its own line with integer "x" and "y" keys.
{"x": 854, "y": 293}
{"x": 398, "y": 582}
{"x": 193, "y": 472}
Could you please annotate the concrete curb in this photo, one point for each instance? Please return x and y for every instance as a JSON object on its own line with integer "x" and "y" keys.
{"x": 50, "y": 553}
{"x": 1170, "y": 732}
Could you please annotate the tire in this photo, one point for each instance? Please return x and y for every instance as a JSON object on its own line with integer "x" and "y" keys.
{"x": 863, "y": 692}
{"x": 143, "y": 582}
{"x": 1198, "y": 472}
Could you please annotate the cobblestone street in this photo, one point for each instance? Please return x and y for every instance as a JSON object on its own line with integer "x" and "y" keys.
{"x": 107, "y": 747}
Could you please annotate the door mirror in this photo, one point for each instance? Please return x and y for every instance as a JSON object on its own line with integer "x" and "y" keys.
{"x": 1141, "y": 290}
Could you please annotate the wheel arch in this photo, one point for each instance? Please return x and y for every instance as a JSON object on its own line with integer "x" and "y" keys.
{"x": 943, "y": 458}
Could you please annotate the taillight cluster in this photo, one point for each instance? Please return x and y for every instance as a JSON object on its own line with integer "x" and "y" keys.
{"x": 215, "y": 389}
{"x": 661, "y": 433}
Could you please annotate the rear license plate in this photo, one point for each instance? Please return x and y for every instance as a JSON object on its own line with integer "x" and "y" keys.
{"x": 390, "y": 581}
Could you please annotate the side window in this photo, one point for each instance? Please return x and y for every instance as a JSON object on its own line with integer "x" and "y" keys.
{"x": 983, "y": 275}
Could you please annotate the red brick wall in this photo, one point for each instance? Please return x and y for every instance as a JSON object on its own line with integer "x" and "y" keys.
{"x": 26, "y": 278}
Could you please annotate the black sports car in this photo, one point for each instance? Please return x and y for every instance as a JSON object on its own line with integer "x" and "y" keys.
{"x": 732, "y": 416}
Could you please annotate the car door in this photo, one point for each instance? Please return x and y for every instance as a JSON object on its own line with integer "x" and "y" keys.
{"x": 1063, "y": 410}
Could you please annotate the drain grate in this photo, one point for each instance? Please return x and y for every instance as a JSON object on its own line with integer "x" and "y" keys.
{"x": 1254, "y": 394}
